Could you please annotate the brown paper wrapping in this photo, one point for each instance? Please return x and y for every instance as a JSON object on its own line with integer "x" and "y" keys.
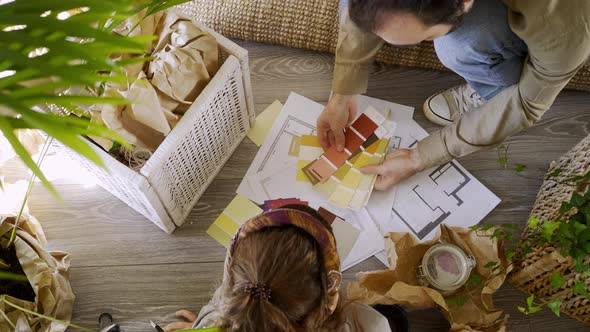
{"x": 400, "y": 284}
{"x": 185, "y": 58}
{"x": 47, "y": 273}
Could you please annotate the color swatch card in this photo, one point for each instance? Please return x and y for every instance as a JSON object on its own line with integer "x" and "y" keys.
{"x": 337, "y": 174}
{"x": 365, "y": 130}
{"x": 239, "y": 210}
{"x": 346, "y": 235}
{"x": 279, "y": 203}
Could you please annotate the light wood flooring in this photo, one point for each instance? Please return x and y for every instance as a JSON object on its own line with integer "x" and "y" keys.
{"x": 123, "y": 264}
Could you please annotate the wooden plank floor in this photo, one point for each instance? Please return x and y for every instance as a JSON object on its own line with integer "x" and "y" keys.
{"x": 124, "y": 265}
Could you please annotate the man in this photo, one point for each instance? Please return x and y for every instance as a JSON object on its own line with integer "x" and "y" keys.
{"x": 515, "y": 55}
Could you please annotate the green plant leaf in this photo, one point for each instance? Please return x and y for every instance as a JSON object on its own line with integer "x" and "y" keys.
{"x": 12, "y": 276}
{"x": 578, "y": 228}
{"x": 554, "y": 173}
{"x": 565, "y": 207}
{"x": 533, "y": 222}
{"x": 555, "y": 306}
{"x": 519, "y": 168}
{"x": 474, "y": 279}
{"x": 580, "y": 289}
{"x": 557, "y": 280}
{"x": 533, "y": 309}
{"x": 20, "y": 150}
{"x": 502, "y": 160}
{"x": 490, "y": 264}
{"x": 577, "y": 200}
{"x": 458, "y": 301}
{"x": 584, "y": 235}
{"x": 496, "y": 234}
{"x": 529, "y": 301}
{"x": 522, "y": 309}
{"x": 548, "y": 227}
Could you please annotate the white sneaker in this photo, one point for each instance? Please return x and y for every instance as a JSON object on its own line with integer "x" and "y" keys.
{"x": 444, "y": 107}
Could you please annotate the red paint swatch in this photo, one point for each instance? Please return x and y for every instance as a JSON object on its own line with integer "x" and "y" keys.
{"x": 353, "y": 141}
{"x": 364, "y": 125}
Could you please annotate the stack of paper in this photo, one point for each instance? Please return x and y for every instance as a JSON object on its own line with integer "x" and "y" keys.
{"x": 445, "y": 194}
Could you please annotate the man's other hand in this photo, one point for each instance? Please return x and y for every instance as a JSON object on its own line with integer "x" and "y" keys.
{"x": 397, "y": 166}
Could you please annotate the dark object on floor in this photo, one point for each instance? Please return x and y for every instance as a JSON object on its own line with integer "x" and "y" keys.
{"x": 105, "y": 323}
{"x": 21, "y": 290}
{"x": 396, "y": 316}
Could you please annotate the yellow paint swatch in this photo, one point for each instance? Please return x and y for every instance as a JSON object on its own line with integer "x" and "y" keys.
{"x": 219, "y": 235}
{"x": 382, "y": 147}
{"x": 242, "y": 209}
{"x": 364, "y": 160}
{"x": 264, "y": 122}
{"x": 366, "y": 182}
{"x": 341, "y": 196}
{"x": 341, "y": 171}
{"x": 295, "y": 146}
{"x": 239, "y": 210}
{"x": 352, "y": 179}
{"x": 328, "y": 187}
{"x": 310, "y": 140}
{"x": 301, "y": 177}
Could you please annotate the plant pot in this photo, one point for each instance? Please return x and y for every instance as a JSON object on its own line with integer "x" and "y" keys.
{"x": 532, "y": 273}
{"x": 48, "y": 275}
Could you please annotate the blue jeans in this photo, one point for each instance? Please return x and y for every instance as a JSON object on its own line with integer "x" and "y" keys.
{"x": 483, "y": 49}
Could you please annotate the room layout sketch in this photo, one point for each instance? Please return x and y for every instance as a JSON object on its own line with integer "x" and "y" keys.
{"x": 292, "y": 127}
{"x": 429, "y": 200}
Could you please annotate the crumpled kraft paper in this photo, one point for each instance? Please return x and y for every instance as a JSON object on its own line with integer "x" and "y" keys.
{"x": 185, "y": 58}
{"x": 48, "y": 275}
{"x": 400, "y": 284}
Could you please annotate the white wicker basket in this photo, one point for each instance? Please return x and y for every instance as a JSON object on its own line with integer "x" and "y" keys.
{"x": 176, "y": 175}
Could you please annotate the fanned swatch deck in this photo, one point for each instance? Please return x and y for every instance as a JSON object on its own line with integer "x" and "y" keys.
{"x": 337, "y": 173}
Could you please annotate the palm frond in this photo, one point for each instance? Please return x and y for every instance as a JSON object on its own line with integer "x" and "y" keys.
{"x": 48, "y": 46}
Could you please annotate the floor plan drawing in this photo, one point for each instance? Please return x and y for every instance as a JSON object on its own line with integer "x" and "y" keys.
{"x": 446, "y": 194}
{"x": 433, "y": 199}
{"x": 290, "y": 128}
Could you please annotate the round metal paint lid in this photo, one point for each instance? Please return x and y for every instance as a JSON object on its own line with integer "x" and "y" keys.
{"x": 446, "y": 267}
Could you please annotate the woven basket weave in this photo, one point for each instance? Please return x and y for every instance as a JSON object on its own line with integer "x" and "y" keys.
{"x": 309, "y": 24}
{"x": 533, "y": 274}
{"x": 168, "y": 186}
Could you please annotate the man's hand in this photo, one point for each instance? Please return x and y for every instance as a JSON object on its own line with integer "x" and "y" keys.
{"x": 397, "y": 166}
{"x": 337, "y": 115}
{"x": 182, "y": 325}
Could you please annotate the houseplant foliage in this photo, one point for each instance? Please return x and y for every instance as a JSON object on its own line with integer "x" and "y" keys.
{"x": 568, "y": 232}
{"x": 46, "y": 48}
{"x": 59, "y": 52}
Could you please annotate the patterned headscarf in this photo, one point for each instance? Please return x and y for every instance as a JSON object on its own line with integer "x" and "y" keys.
{"x": 317, "y": 228}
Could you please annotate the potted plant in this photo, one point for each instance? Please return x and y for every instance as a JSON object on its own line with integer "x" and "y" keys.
{"x": 46, "y": 47}
{"x": 551, "y": 260}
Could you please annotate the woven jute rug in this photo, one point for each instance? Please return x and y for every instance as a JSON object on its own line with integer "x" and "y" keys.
{"x": 308, "y": 24}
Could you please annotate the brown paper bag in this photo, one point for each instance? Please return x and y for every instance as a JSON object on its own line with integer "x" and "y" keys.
{"x": 48, "y": 274}
{"x": 400, "y": 284}
{"x": 185, "y": 58}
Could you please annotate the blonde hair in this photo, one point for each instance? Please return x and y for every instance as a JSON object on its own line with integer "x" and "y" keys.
{"x": 288, "y": 262}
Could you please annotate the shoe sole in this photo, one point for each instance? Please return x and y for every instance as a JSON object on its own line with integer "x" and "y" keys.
{"x": 433, "y": 117}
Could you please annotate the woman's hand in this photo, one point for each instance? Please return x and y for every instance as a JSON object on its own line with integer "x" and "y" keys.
{"x": 187, "y": 315}
{"x": 337, "y": 115}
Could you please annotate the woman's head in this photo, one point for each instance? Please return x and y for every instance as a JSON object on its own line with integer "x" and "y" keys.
{"x": 277, "y": 281}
